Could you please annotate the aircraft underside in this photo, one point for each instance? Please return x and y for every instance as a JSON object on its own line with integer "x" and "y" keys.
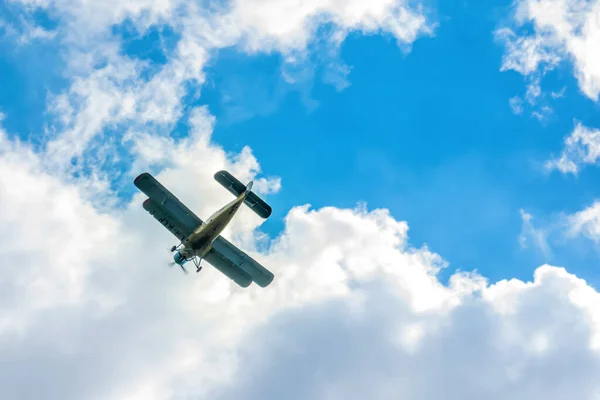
{"x": 182, "y": 222}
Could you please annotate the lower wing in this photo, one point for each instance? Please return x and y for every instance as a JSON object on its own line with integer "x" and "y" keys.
{"x": 225, "y": 250}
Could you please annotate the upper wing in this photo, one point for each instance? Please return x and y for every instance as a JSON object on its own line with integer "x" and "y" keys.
{"x": 167, "y": 208}
{"x": 180, "y": 228}
{"x": 223, "y": 250}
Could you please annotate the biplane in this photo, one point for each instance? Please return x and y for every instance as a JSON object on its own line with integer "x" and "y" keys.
{"x": 202, "y": 240}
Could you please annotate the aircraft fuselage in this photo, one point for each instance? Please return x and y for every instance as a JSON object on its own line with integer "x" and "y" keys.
{"x": 199, "y": 242}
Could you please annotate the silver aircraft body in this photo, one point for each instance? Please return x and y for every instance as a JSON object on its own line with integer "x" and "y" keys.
{"x": 202, "y": 240}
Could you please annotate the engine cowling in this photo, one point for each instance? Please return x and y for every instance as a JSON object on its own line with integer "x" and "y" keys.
{"x": 179, "y": 259}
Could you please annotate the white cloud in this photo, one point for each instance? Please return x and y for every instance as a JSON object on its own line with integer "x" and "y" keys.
{"x": 586, "y": 222}
{"x": 516, "y": 105}
{"x": 108, "y": 90}
{"x": 543, "y": 113}
{"x": 533, "y": 91}
{"x": 559, "y": 94}
{"x": 560, "y": 229}
{"x": 581, "y": 147}
{"x": 538, "y": 236}
{"x": 563, "y": 30}
{"x": 264, "y": 25}
{"x": 23, "y": 31}
{"x": 291, "y": 25}
{"x": 92, "y": 311}
{"x": 525, "y": 54}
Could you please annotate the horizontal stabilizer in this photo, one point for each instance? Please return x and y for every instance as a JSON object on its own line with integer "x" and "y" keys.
{"x": 258, "y": 205}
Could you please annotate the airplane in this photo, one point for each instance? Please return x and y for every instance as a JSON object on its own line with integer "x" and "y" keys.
{"x": 202, "y": 240}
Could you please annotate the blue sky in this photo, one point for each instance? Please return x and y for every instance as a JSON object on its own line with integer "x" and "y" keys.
{"x": 429, "y": 135}
{"x": 423, "y": 124}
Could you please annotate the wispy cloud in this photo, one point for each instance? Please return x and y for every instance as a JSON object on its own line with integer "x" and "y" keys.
{"x": 563, "y": 30}
{"x": 538, "y": 237}
{"x": 110, "y": 90}
{"x": 586, "y": 222}
{"x": 581, "y": 147}
{"x": 516, "y": 105}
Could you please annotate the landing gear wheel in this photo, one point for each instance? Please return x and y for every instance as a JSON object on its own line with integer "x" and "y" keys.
{"x": 197, "y": 262}
{"x": 173, "y": 248}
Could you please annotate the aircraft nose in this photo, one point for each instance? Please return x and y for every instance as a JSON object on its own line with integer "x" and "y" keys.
{"x": 178, "y": 258}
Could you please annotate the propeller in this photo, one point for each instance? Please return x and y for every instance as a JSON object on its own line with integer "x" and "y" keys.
{"x": 171, "y": 264}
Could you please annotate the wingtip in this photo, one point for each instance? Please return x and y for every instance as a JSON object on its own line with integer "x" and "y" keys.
{"x": 219, "y": 173}
{"x": 140, "y": 176}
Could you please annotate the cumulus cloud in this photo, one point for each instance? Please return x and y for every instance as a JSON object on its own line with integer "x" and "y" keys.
{"x": 561, "y": 30}
{"x": 292, "y": 24}
{"x": 390, "y": 352}
{"x": 91, "y": 309}
{"x": 264, "y": 24}
{"x": 581, "y": 147}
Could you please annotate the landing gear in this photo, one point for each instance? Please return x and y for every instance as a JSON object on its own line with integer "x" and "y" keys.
{"x": 175, "y": 247}
{"x": 184, "y": 256}
{"x": 197, "y": 262}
